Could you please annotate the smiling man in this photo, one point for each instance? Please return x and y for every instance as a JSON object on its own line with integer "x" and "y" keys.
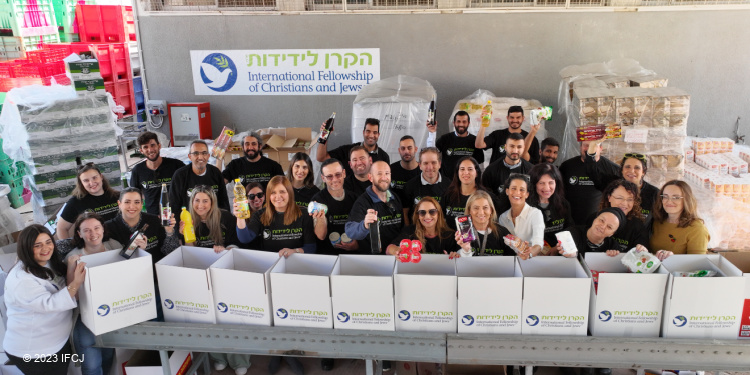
{"x": 198, "y": 172}
{"x": 496, "y": 140}
{"x": 370, "y": 134}
{"x": 156, "y": 170}
{"x": 497, "y": 173}
{"x": 254, "y": 167}
{"x": 359, "y": 164}
{"x": 456, "y": 144}
{"x": 431, "y": 183}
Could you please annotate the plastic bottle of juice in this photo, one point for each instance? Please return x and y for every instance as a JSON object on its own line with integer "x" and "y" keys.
{"x": 189, "y": 231}
{"x": 487, "y": 114}
{"x": 243, "y": 212}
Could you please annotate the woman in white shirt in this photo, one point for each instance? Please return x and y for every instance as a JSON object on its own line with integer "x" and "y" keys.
{"x": 90, "y": 237}
{"x": 522, "y": 220}
{"x": 40, "y": 306}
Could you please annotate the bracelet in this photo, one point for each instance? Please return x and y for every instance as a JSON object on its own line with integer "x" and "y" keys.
{"x": 70, "y": 288}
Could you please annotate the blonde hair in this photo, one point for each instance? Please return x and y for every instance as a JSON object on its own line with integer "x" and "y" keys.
{"x": 292, "y": 211}
{"x": 480, "y": 194}
{"x": 213, "y": 218}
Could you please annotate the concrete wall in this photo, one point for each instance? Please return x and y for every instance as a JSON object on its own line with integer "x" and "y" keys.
{"x": 511, "y": 54}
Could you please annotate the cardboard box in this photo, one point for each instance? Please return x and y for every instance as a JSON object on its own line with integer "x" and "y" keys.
{"x": 234, "y": 151}
{"x": 148, "y": 362}
{"x": 703, "y": 307}
{"x": 83, "y": 69}
{"x": 502, "y": 312}
{"x": 556, "y": 293}
{"x": 185, "y": 285}
{"x": 425, "y": 295}
{"x": 282, "y": 143}
{"x": 742, "y": 261}
{"x": 250, "y": 304}
{"x": 117, "y": 292}
{"x": 87, "y": 86}
{"x": 353, "y": 307}
{"x": 301, "y": 291}
{"x": 626, "y": 304}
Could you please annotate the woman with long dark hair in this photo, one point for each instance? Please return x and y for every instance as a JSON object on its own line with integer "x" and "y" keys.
{"x": 522, "y": 220}
{"x": 40, "y": 304}
{"x": 92, "y": 193}
{"x": 625, "y": 195}
{"x": 547, "y": 194}
{"x": 300, "y": 174}
{"x": 429, "y": 228}
{"x": 467, "y": 179}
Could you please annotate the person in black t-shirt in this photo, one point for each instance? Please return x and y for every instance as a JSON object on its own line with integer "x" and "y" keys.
{"x": 156, "y": 170}
{"x": 91, "y": 194}
{"x": 489, "y": 235}
{"x": 370, "y": 134}
{"x": 160, "y": 240}
{"x": 633, "y": 167}
{"x": 359, "y": 179}
{"x": 406, "y": 169}
{"x": 198, "y": 172}
{"x": 214, "y": 227}
{"x": 300, "y": 174}
{"x": 548, "y": 150}
{"x": 256, "y": 198}
{"x": 429, "y": 228}
{"x": 284, "y": 227}
{"x": 582, "y": 191}
{"x": 497, "y": 173}
{"x": 430, "y": 183}
{"x": 254, "y": 167}
{"x": 378, "y": 204}
{"x": 467, "y": 179}
{"x": 496, "y": 140}
{"x": 597, "y": 237}
{"x": 624, "y": 195}
{"x": 455, "y": 145}
{"x": 548, "y": 196}
{"x": 339, "y": 201}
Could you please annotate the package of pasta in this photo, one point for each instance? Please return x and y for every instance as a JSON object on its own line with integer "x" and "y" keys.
{"x": 516, "y": 243}
{"x": 640, "y": 262}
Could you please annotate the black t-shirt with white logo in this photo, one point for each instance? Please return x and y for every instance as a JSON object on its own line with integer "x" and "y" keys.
{"x": 390, "y": 216}
{"x": 356, "y": 186}
{"x": 495, "y": 244}
{"x": 341, "y": 154}
{"x": 435, "y": 245}
{"x": 453, "y": 208}
{"x": 497, "y": 173}
{"x": 155, "y": 233}
{"x": 454, "y": 148}
{"x": 337, "y": 216}
{"x": 554, "y": 220}
{"x": 580, "y": 190}
{"x": 279, "y": 236}
{"x": 149, "y": 181}
{"x": 399, "y": 178}
{"x": 415, "y": 191}
{"x": 228, "y": 232}
{"x": 303, "y": 195}
{"x": 496, "y": 142}
{"x": 260, "y": 171}
{"x": 105, "y": 205}
{"x": 185, "y": 180}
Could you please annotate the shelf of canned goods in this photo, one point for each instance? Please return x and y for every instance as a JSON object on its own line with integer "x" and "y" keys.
{"x": 374, "y": 346}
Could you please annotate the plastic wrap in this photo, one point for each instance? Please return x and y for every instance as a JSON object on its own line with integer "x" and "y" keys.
{"x": 401, "y": 104}
{"x": 50, "y": 129}
{"x": 652, "y": 118}
{"x": 473, "y": 105}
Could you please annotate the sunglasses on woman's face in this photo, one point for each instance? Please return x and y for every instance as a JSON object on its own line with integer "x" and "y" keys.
{"x": 432, "y": 212}
{"x": 257, "y": 195}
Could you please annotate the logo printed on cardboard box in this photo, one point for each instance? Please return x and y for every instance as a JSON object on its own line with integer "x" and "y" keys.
{"x": 404, "y": 315}
{"x": 679, "y": 321}
{"x": 467, "y": 320}
{"x": 605, "y": 316}
{"x": 222, "y": 307}
{"x": 103, "y": 310}
{"x": 342, "y": 317}
{"x": 168, "y": 304}
{"x": 532, "y": 320}
{"x": 282, "y": 313}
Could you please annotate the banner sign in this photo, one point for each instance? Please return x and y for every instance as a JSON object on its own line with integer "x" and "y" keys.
{"x": 284, "y": 71}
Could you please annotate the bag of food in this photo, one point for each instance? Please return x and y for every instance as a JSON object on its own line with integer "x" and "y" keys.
{"x": 640, "y": 262}
{"x": 698, "y": 273}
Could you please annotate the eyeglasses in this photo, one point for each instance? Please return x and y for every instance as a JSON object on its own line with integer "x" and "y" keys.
{"x": 202, "y": 153}
{"x": 337, "y": 176}
{"x": 635, "y": 155}
{"x": 432, "y": 212}
{"x": 673, "y": 198}
{"x": 257, "y": 195}
{"x": 87, "y": 165}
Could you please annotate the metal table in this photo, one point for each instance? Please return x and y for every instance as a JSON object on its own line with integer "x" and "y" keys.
{"x": 375, "y": 346}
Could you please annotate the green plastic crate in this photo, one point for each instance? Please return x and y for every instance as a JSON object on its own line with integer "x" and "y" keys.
{"x": 65, "y": 15}
{"x": 28, "y": 17}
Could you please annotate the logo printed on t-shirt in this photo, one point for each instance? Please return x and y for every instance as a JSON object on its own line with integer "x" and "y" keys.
{"x": 573, "y": 180}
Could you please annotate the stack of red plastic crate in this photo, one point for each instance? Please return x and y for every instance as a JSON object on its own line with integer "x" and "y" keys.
{"x": 39, "y": 67}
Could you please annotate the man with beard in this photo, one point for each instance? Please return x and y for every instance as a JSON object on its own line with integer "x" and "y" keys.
{"x": 378, "y": 204}
{"x": 359, "y": 163}
{"x": 549, "y": 150}
{"x": 406, "y": 169}
{"x": 496, "y": 140}
{"x": 198, "y": 172}
{"x": 156, "y": 170}
{"x": 497, "y": 173}
{"x": 370, "y": 134}
{"x": 254, "y": 167}
{"x": 430, "y": 183}
{"x": 455, "y": 145}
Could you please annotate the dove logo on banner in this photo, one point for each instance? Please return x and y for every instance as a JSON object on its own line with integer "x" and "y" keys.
{"x": 218, "y": 72}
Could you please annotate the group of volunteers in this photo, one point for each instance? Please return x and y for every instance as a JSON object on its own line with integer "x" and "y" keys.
{"x": 607, "y": 207}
